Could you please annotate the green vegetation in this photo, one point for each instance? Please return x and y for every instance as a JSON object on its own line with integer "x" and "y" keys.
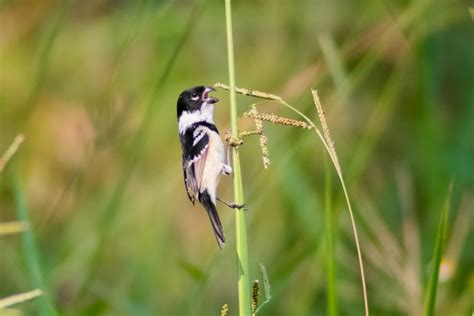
{"x": 94, "y": 218}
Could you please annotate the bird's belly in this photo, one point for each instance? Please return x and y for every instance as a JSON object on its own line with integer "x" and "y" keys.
{"x": 213, "y": 168}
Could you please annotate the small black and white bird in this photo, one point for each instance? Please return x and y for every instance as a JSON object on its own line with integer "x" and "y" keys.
{"x": 204, "y": 158}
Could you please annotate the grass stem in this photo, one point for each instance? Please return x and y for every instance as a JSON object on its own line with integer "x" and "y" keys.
{"x": 240, "y": 225}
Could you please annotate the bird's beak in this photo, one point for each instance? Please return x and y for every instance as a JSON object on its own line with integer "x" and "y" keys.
{"x": 206, "y": 98}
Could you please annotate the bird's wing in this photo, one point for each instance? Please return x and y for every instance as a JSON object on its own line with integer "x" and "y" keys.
{"x": 189, "y": 183}
{"x": 194, "y": 161}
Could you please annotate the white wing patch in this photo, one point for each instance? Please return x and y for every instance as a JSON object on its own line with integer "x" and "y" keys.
{"x": 196, "y": 158}
{"x": 198, "y": 134}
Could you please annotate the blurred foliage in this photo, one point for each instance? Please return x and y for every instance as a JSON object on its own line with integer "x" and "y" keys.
{"x": 93, "y": 87}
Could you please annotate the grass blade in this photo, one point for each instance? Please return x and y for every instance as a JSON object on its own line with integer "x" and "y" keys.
{"x": 45, "y": 306}
{"x": 266, "y": 287}
{"x": 330, "y": 230}
{"x": 437, "y": 255}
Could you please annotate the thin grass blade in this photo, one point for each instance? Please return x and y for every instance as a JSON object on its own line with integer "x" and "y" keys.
{"x": 440, "y": 242}
{"x": 330, "y": 230}
{"x": 30, "y": 248}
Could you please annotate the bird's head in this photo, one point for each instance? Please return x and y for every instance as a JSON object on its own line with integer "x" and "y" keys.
{"x": 196, "y": 99}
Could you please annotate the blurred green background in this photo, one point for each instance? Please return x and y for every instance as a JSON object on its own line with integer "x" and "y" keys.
{"x": 93, "y": 87}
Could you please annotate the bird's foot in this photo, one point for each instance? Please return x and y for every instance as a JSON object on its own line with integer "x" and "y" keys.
{"x": 234, "y": 205}
{"x": 226, "y": 169}
{"x": 234, "y": 142}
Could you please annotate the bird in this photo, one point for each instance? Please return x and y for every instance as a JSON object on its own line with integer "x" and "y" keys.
{"x": 203, "y": 152}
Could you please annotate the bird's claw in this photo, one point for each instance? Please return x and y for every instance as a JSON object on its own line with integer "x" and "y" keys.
{"x": 234, "y": 205}
{"x": 238, "y": 206}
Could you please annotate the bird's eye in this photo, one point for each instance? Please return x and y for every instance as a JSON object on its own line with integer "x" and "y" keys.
{"x": 194, "y": 96}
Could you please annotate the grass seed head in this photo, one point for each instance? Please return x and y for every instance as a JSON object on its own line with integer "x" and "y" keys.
{"x": 224, "y": 310}
{"x": 255, "y": 294}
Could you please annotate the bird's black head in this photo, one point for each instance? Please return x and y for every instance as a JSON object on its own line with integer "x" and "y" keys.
{"x": 192, "y": 99}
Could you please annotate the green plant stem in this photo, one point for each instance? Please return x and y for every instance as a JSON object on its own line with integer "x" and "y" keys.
{"x": 45, "y": 306}
{"x": 240, "y": 225}
{"x": 330, "y": 234}
{"x": 437, "y": 256}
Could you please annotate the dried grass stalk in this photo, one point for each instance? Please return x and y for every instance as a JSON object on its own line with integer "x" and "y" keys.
{"x": 19, "y": 298}
{"x": 250, "y": 92}
{"x": 326, "y": 133}
{"x": 263, "y": 143}
{"x": 12, "y": 228}
{"x": 247, "y": 134}
{"x": 275, "y": 119}
{"x": 11, "y": 151}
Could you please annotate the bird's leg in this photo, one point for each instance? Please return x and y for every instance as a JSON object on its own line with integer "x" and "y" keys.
{"x": 226, "y": 168}
{"x": 234, "y": 142}
{"x": 227, "y": 158}
{"x": 233, "y": 204}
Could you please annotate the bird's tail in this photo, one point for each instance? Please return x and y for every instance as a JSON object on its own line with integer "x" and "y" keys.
{"x": 210, "y": 207}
